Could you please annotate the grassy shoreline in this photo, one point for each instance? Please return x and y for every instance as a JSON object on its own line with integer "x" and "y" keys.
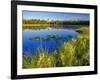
{"x": 73, "y": 53}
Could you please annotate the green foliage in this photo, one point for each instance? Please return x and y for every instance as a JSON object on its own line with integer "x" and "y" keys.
{"x": 67, "y": 54}
{"x": 84, "y": 31}
{"x": 30, "y": 61}
{"x": 82, "y": 50}
{"x": 76, "y": 52}
{"x": 45, "y": 60}
{"x": 38, "y": 24}
{"x": 73, "y": 53}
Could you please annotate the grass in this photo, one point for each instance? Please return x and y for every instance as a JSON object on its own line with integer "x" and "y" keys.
{"x": 73, "y": 53}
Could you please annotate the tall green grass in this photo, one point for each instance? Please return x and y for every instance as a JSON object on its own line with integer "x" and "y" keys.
{"x": 76, "y": 52}
{"x": 73, "y": 53}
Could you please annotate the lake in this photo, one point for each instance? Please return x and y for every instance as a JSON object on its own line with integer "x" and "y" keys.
{"x": 46, "y": 39}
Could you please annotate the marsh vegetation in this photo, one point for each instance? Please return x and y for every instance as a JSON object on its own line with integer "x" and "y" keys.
{"x": 72, "y": 53}
{"x": 55, "y": 39}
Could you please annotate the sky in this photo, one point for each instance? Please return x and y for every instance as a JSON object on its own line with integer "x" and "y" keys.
{"x": 54, "y": 15}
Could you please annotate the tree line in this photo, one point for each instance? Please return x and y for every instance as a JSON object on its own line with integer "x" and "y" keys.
{"x": 38, "y": 21}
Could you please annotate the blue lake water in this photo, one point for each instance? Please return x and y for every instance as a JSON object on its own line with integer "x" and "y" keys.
{"x": 46, "y": 39}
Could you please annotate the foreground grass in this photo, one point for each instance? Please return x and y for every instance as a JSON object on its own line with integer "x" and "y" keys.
{"x": 73, "y": 53}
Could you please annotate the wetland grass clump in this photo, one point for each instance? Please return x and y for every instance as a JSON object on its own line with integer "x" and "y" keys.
{"x": 30, "y": 61}
{"x": 46, "y": 60}
{"x": 76, "y": 52}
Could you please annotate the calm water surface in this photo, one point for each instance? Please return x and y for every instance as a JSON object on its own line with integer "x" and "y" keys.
{"x": 47, "y": 39}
